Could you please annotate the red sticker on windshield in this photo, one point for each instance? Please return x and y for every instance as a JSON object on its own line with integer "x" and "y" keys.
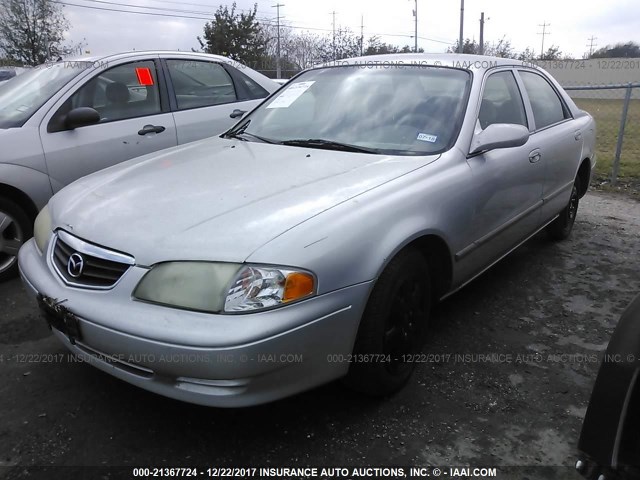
{"x": 144, "y": 76}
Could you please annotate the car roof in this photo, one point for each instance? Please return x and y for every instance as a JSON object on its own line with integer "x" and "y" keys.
{"x": 478, "y": 63}
{"x": 135, "y": 53}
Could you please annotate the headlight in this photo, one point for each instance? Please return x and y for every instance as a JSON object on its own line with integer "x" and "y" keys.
{"x": 223, "y": 287}
{"x": 191, "y": 285}
{"x": 257, "y": 288}
{"x": 42, "y": 228}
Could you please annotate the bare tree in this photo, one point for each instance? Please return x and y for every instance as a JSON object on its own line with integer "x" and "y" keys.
{"x": 32, "y": 31}
{"x": 501, "y": 49}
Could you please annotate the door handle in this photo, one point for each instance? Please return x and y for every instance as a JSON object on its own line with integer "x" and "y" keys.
{"x": 237, "y": 113}
{"x": 535, "y": 156}
{"x": 578, "y": 135}
{"x": 151, "y": 129}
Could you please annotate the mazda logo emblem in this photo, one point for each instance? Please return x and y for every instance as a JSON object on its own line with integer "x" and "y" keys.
{"x": 75, "y": 265}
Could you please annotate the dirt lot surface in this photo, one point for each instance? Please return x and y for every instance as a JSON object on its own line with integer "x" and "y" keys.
{"x": 515, "y": 357}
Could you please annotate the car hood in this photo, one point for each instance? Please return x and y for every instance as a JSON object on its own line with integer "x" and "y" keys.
{"x": 216, "y": 199}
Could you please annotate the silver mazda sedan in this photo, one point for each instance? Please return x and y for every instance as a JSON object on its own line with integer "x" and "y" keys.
{"x": 309, "y": 242}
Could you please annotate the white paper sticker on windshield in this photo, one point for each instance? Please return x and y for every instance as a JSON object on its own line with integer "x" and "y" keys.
{"x": 291, "y": 94}
{"x": 425, "y": 137}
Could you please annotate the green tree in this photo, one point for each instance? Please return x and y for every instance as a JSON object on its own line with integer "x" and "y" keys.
{"x": 377, "y": 47}
{"x": 468, "y": 46}
{"x": 619, "y": 50}
{"x": 32, "y": 31}
{"x": 234, "y": 35}
{"x": 346, "y": 45}
{"x": 553, "y": 53}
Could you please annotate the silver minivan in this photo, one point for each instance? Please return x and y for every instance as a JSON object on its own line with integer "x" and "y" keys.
{"x": 62, "y": 121}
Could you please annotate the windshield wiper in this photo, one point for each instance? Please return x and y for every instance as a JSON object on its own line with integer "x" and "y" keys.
{"x": 328, "y": 145}
{"x": 241, "y": 133}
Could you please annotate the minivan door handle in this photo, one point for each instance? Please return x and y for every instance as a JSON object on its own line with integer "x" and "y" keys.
{"x": 151, "y": 129}
{"x": 578, "y": 135}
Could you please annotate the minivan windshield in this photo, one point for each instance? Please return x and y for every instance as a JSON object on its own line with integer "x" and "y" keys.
{"x": 397, "y": 109}
{"x": 23, "y": 95}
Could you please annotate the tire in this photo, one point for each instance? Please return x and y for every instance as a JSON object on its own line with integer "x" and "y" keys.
{"x": 15, "y": 228}
{"x": 394, "y": 324}
{"x": 561, "y": 227}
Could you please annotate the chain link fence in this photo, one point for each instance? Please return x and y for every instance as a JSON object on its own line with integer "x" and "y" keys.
{"x": 616, "y": 109}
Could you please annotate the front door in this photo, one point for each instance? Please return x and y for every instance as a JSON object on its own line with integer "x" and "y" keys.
{"x": 507, "y": 183}
{"x": 133, "y": 121}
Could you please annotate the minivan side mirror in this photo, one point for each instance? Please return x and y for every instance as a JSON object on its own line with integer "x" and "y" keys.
{"x": 499, "y": 135}
{"x": 81, "y": 117}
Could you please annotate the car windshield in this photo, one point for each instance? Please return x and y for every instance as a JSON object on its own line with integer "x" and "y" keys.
{"x": 24, "y": 94}
{"x": 399, "y": 110}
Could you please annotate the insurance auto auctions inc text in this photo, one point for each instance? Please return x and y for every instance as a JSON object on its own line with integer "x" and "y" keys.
{"x": 377, "y": 472}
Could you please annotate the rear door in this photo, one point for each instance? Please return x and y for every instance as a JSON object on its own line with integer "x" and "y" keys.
{"x": 556, "y": 138}
{"x": 129, "y": 97}
{"x": 204, "y": 95}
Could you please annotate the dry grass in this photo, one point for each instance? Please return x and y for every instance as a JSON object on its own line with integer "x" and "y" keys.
{"x": 607, "y": 113}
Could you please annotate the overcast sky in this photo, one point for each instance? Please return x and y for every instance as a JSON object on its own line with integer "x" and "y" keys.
{"x": 572, "y": 22}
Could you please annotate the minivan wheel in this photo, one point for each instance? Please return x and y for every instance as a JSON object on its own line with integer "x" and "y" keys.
{"x": 15, "y": 229}
{"x": 561, "y": 227}
{"x": 393, "y": 327}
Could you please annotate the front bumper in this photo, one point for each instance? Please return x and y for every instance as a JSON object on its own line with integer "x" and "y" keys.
{"x": 215, "y": 360}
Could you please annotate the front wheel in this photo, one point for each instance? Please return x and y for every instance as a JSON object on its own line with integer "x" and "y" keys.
{"x": 561, "y": 227}
{"x": 393, "y": 327}
{"x": 15, "y": 229}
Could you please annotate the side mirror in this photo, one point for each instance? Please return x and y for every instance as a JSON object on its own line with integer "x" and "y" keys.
{"x": 499, "y": 135}
{"x": 81, "y": 117}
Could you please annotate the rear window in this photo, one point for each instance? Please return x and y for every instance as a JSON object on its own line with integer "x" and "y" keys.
{"x": 545, "y": 103}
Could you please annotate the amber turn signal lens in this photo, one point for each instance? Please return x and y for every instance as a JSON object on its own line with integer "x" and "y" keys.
{"x": 297, "y": 285}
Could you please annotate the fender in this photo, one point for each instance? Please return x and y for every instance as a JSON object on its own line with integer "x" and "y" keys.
{"x": 366, "y": 232}
{"x": 33, "y": 183}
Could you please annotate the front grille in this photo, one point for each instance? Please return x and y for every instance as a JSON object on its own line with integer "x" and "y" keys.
{"x": 82, "y": 264}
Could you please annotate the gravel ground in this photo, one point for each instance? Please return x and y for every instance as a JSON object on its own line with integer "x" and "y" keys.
{"x": 515, "y": 355}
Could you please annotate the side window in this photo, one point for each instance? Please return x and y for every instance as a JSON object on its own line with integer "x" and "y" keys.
{"x": 501, "y": 101}
{"x": 125, "y": 91}
{"x": 254, "y": 89}
{"x": 200, "y": 84}
{"x": 545, "y": 103}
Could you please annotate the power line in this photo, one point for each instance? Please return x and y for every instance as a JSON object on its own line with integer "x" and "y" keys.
{"x": 203, "y": 5}
{"x": 197, "y": 16}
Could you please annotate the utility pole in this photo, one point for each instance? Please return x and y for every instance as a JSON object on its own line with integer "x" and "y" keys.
{"x": 481, "y": 33}
{"x": 544, "y": 33}
{"x": 592, "y": 44}
{"x": 334, "y": 35}
{"x": 278, "y": 67}
{"x": 415, "y": 14}
{"x": 361, "y": 35}
{"x": 460, "y": 48}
